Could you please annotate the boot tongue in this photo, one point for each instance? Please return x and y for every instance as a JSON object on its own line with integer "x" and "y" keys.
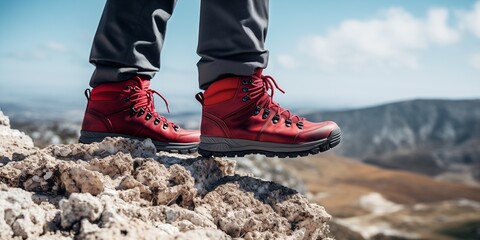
{"x": 115, "y": 87}
{"x": 258, "y": 73}
{"x": 139, "y": 82}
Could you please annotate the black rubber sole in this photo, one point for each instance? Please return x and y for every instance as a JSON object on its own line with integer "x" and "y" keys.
{"x": 331, "y": 141}
{"x": 183, "y": 148}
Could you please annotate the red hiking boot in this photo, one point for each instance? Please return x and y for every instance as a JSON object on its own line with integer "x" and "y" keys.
{"x": 126, "y": 109}
{"x": 240, "y": 117}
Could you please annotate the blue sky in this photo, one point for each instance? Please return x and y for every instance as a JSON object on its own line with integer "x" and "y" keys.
{"x": 325, "y": 54}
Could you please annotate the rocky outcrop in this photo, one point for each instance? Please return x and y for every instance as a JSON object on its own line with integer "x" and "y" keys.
{"x": 14, "y": 145}
{"x": 124, "y": 189}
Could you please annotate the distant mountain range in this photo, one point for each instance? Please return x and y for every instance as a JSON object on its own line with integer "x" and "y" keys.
{"x": 433, "y": 137}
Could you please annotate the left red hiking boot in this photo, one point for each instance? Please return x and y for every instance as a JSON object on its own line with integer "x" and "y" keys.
{"x": 126, "y": 109}
{"x": 240, "y": 117}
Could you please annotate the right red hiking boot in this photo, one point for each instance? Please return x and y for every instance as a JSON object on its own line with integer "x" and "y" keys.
{"x": 126, "y": 109}
{"x": 240, "y": 117}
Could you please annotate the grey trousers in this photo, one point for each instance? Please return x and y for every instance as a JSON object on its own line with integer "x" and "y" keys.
{"x": 130, "y": 37}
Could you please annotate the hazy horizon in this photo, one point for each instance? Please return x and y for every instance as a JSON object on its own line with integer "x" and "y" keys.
{"x": 21, "y": 112}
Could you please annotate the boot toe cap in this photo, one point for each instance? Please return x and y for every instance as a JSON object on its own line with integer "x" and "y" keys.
{"x": 316, "y": 131}
{"x": 188, "y": 136}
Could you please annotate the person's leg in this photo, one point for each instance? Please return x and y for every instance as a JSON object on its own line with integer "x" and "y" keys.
{"x": 231, "y": 38}
{"x": 129, "y": 39}
{"x": 126, "y": 53}
{"x": 239, "y": 115}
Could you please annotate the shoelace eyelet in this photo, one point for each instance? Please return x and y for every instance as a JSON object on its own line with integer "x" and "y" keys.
{"x": 288, "y": 122}
{"x": 244, "y": 89}
{"x": 148, "y": 116}
{"x": 157, "y": 121}
{"x": 275, "y": 119}
{"x": 141, "y": 112}
{"x": 126, "y": 99}
{"x": 246, "y": 98}
{"x": 257, "y": 110}
{"x": 300, "y": 125}
{"x": 175, "y": 128}
{"x": 266, "y": 112}
{"x": 244, "y": 82}
{"x": 133, "y": 111}
{"x": 165, "y": 126}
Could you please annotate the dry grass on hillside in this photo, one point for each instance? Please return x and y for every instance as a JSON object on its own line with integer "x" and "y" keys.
{"x": 337, "y": 182}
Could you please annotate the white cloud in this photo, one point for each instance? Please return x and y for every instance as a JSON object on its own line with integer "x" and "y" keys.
{"x": 41, "y": 52}
{"x": 470, "y": 21}
{"x": 56, "y": 46}
{"x": 438, "y": 29}
{"x": 475, "y": 60}
{"x": 390, "y": 38}
{"x": 287, "y": 61}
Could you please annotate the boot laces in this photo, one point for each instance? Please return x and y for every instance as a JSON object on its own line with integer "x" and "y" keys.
{"x": 143, "y": 100}
{"x": 261, "y": 90}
